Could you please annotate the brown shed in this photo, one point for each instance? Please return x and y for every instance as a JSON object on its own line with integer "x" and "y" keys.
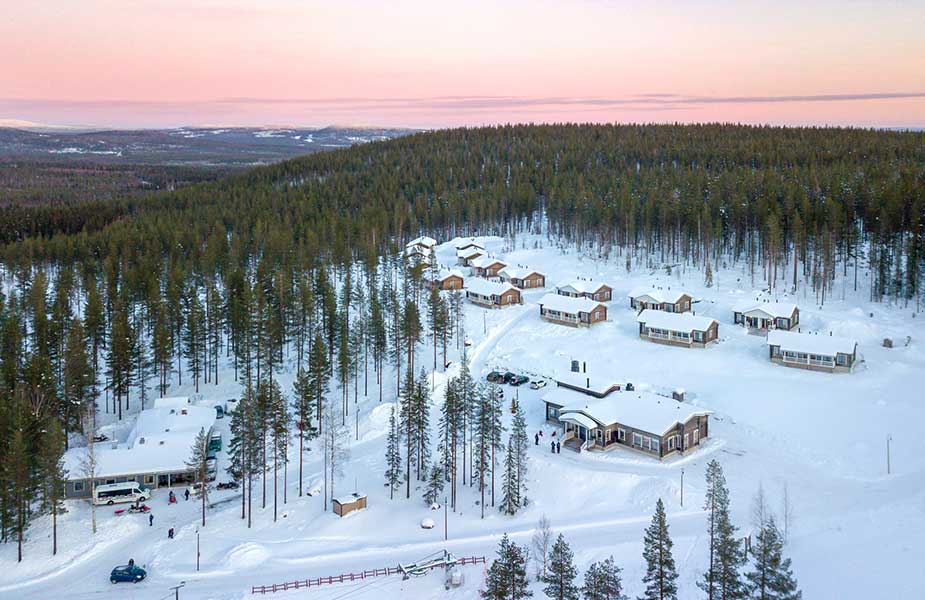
{"x": 346, "y": 505}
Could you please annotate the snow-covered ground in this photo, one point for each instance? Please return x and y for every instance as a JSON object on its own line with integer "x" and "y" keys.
{"x": 855, "y": 533}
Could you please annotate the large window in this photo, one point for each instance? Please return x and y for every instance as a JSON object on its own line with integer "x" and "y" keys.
{"x": 78, "y": 486}
{"x": 637, "y": 440}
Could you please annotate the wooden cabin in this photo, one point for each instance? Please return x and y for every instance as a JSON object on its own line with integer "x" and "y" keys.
{"x": 491, "y": 294}
{"x": 465, "y": 257}
{"x": 677, "y": 329}
{"x": 672, "y": 301}
{"x": 597, "y": 291}
{"x": 445, "y": 280}
{"x": 641, "y": 421}
{"x": 522, "y": 278}
{"x": 486, "y": 266}
{"x": 764, "y": 316}
{"x": 575, "y": 312}
{"x": 814, "y": 352}
{"x": 345, "y": 505}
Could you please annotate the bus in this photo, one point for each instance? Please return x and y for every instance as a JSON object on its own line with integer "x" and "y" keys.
{"x": 128, "y": 491}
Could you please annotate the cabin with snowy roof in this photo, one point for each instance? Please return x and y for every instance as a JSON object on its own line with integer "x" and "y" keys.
{"x": 486, "y": 266}
{"x": 444, "y": 279}
{"x": 580, "y": 288}
{"x": 492, "y": 294}
{"x": 764, "y": 316}
{"x": 816, "y": 352}
{"x": 574, "y": 312}
{"x": 668, "y": 300}
{"x": 522, "y": 277}
{"x": 637, "y": 420}
{"x": 677, "y": 329}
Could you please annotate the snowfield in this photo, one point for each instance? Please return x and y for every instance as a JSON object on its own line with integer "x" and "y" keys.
{"x": 856, "y": 531}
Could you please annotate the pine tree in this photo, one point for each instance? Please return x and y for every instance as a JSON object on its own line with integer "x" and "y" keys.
{"x": 772, "y": 578}
{"x": 319, "y": 374}
{"x": 278, "y": 423}
{"x": 603, "y": 581}
{"x": 304, "y": 403}
{"x": 199, "y": 463}
{"x": 79, "y": 387}
{"x": 52, "y": 474}
{"x": 434, "y": 484}
{"x": 661, "y": 576}
{"x": 393, "y": 470}
{"x": 510, "y": 484}
{"x": 507, "y": 575}
{"x": 560, "y": 578}
{"x": 521, "y": 443}
{"x": 723, "y": 580}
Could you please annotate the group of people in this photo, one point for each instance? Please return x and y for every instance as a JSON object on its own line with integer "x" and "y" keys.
{"x": 555, "y": 445}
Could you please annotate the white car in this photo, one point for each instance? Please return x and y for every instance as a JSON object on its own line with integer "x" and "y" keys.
{"x": 536, "y": 385}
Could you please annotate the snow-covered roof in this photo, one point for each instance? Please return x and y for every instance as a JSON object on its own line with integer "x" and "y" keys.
{"x": 581, "y": 286}
{"x": 467, "y": 243}
{"x": 171, "y": 402}
{"x": 517, "y": 272}
{"x": 467, "y": 253}
{"x": 420, "y": 250}
{"x": 568, "y": 304}
{"x": 348, "y": 498}
{"x": 660, "y": 296}
{"x": 487, "y": 261}
{"x": 422, "y": 241}
{"x": 686, "y": 322}
{"x": 640, "y": 410}
{"x": 483, "y": 287}
{"x": 160, "y": 441}
{"x": 588, "y": 383}
{"x": 771, "y": 309}
{"x": 579, "y": 418}
{"x": 825, "y": 345}
{"x": 443, "y": 274}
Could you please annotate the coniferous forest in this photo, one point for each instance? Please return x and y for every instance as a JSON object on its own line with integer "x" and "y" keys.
{"x": 106, "y": 303}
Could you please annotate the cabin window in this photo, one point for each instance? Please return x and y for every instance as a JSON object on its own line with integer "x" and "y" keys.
{"x": 842, "y": 359}
{"x": 655, "y": 444}
{"x": 78, "y": 486}
{"x": 621, "y": 435}
{"x": 637, "y": 440}
{"x": 149, "y": 479}
{"x": 672, "y": 442}
{"x": 698, "y": 336}
{"x": 697, "y": 436}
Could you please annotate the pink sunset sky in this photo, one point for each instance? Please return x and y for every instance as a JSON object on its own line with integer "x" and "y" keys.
{"x": 168, "y": 63}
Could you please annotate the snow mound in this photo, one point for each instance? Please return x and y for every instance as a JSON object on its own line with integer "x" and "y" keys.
{"x": 245, "y": 556}
{"x": 427, "y": 524}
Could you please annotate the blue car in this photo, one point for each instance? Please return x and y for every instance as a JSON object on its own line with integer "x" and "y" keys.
{"x": 127, "y": 573}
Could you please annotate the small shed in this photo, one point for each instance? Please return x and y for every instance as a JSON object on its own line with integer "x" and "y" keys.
{"x": 347, "y": 504}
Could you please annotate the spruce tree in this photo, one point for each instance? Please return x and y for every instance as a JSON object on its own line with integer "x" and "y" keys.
{"x": 661, "y": 577}
{"x": 304, "y": 393}
{"x": 723, "y": 579}
{"x": 507, "y": 575}
{"x": 561, "y": 573}
{"x": 434, "y": 484}
{"x": 772, "y": 578}
{"x": 393, "y": 471}
{"x": 603, "y": 581}
{"x": 510, "y": 485}
{"x": 53, "y": 475}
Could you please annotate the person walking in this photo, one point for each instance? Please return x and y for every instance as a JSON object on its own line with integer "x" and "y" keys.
{"x": 186, "y": 494}
{"x": 552, "y": 445}
{"x": 151, "y": 520}
{"x": 558, "y": 448}
{"x": 170, "y": 533}
{"x": 536, "y": 439}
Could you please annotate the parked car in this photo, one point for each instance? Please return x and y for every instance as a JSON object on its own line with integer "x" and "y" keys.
{"x": 127, "y": 573}
{"x": 219, "y": 412}
{"x": 519, "y": 380}
{"x": 228, "y": 485}
{"x": 495, "y": 377}
{"x": 230, "y": 405}
{"x": 102, "y": 437}
{"x": 509, "y": 377}
{"x": 538, "y": 384}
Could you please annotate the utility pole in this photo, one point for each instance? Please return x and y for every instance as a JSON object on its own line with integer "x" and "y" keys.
{"x": 889, "y": 439}
{"x": 682, "y": 488}
{"x": 445, "y": 521}
{"x": 197, "y": 549}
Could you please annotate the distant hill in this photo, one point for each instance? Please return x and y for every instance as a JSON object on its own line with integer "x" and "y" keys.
{"x": 209, "y": 147}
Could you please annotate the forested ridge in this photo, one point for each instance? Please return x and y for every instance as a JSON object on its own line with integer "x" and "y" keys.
{"x": 107, "y": 303}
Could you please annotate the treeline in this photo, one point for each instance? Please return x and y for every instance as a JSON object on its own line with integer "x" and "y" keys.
{"x": 796, "y": 203}
{"x": 737, "y": 569}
